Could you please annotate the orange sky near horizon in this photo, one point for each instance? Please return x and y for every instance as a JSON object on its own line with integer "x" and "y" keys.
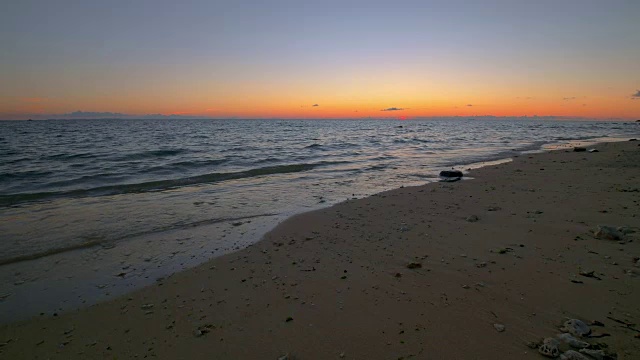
{"x": 350, "y": 92}
{"x": 353, "y": 58}
{"x": 338, "y": 106}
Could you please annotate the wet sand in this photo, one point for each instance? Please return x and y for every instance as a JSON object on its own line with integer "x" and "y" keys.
{"x": 422, "y": 272}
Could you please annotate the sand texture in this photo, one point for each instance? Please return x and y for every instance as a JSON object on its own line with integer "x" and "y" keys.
{"x": 474, "y": 269}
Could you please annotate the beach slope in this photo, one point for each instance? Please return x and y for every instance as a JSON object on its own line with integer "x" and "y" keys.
{"x": 472, "y": 269}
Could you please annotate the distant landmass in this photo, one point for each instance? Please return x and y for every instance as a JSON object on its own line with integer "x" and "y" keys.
{"x": 114, "y": 115}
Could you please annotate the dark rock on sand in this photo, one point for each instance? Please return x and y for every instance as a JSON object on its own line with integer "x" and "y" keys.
{"x": 451, "y": 173}
{"x": 472, "y": 218}
{"x": 579, "y": 149}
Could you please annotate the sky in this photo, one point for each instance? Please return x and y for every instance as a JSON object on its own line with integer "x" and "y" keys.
{"x": 320, "y": 59}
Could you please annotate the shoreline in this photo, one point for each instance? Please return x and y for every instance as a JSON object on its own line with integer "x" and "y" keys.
{"x": 323, "y": 257}
{"x": 87, "y": 290}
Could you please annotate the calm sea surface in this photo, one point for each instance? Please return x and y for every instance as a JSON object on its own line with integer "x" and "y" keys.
{"x": 104, "y": 184}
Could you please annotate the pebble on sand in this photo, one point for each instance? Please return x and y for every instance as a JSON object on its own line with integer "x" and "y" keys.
{"x": 472, "y": 218}
{"x": 606, "y": 232}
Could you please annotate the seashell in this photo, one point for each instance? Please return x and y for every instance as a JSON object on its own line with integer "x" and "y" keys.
{"x": 549, "y": 348}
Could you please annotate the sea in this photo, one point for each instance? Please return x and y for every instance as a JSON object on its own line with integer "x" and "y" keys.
{"x": 92, "y": 209}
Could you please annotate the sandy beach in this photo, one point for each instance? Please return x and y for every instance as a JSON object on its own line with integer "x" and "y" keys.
{"x": 476, "y": 269}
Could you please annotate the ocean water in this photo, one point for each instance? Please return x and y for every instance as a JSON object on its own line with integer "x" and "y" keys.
{"x": 133, "y": 200}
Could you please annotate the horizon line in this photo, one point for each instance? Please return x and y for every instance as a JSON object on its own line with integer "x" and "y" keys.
{"x": 399, "y": 118}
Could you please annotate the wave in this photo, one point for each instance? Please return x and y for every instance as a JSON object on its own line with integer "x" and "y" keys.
{"x": 182, "y": 165}
{"x": 159, "y": 185}
{"x": 110, "y": 243}
{"x": 267, "y": 160}
{"x": 83, "y": 245}
{"x": 578, "y": 138}
{"x": 377, "y": 167}
{"x": 198, "y": 163}
{"x": 236, "y": 149}
{"x": 17, "y": 161}
{"x": 24, "y": 174}
{"x": 70, "y": 156}
{"x": 412, "y": 140}
{"x": 10, "y": 153}
{"x": 151, "y": 154}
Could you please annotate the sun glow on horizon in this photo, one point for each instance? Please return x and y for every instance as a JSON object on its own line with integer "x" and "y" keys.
{"x": 227, "y": 60}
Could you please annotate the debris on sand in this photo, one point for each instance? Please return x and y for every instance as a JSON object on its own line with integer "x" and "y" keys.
{"x": 572, "y": 341}
{"x": 549, "y": 348}
{"x": 573, "y": 330}
{"x": 606, "y": 232}
{"x": 590, "y": 274}
{"x": 576, "y": 328}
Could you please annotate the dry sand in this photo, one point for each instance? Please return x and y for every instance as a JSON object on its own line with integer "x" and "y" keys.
{"x": 334, "y": 283}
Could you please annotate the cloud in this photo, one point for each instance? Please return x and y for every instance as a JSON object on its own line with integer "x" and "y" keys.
{"x": 393, "y": 109}
{"x": 469, "y": 104}
{"x": 636, "y": 96}
{"x": 314, "y": 105}
{"x": 569, "y": 98}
